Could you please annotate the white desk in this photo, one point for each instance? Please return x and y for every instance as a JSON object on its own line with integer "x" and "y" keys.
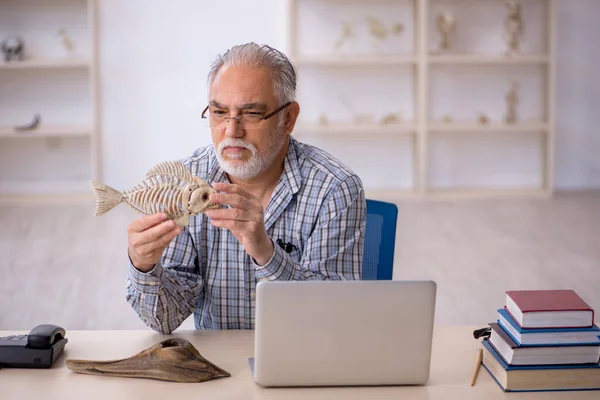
{"x": 453, "y": 359}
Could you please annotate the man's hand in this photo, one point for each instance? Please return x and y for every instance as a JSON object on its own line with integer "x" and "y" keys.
{"x": 245, "y": 220}
{"x": 148, "y": 237}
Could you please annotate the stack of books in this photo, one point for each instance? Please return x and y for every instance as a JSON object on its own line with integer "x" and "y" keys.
{"x": 544, "y": 340}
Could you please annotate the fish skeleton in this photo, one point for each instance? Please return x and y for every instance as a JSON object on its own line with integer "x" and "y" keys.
{"x": 168, "y": 187}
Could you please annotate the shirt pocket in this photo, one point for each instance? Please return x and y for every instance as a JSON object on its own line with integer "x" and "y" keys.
{"x": 290, "y": 249}
{"x": 296, "y": 255}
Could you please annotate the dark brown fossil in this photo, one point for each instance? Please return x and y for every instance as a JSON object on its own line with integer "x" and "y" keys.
{"x": 175, "y": 360}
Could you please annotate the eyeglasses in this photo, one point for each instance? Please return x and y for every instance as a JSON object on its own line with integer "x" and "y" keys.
{"x": 219, "y": 118}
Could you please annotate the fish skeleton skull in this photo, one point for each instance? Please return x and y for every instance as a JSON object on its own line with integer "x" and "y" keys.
{"x": 199, "y": 200}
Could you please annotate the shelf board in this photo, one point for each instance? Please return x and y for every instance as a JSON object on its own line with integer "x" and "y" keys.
{"x": 462, "y": 127}
{"x": 487, "y": 59}
{"x": 34, "y": 188}
{"x": 485, "y": 193}
{"x": 66, "y": 63}
{"x": 356, "y": 60}
{"x": 46, "y": 131}
{"x": 474, "y": 193}
{"x": 391, "y": 195}
{"x": 385, "y": 59}
{"x": 355, "y": 129}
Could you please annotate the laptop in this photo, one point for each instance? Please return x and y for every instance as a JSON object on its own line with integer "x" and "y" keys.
{"x": 343, "y": 333}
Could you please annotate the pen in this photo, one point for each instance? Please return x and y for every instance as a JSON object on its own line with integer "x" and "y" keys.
{"x": 478, "y": 359}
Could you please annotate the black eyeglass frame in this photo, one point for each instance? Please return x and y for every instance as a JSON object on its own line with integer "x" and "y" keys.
{"x": 262, "y": 119}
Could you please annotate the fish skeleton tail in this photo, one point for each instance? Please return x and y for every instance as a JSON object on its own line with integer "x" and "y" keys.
{"x": 106, "y": 198}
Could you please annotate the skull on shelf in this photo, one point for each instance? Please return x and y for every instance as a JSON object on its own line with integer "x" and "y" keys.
{"x": 12, "y": 49}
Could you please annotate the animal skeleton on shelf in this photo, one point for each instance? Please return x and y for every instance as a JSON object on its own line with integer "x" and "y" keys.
{"x": 66, "y": 40}
{"x": 378, "y": 31}
{"x": 512, "y": 100}
{"x": 446, "y": 24}
{"x": 347, "y": 34}
{"x": 514, "y": 27}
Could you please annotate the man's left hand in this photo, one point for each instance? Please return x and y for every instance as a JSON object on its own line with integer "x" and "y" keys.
{"x": 245, "y": 220}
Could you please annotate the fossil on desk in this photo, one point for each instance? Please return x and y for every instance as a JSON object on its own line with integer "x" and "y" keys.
{"x": 175, "y": 360}
{"x": 168, "y": 187}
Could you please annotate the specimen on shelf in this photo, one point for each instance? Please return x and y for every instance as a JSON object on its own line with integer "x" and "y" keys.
{"x": 514, "y": 27}
{"x": 397, "y": 28}
{"x": 483, "y": 119}
{"x": 359, "y": 118}
{"x": 512, "y": 100}
{"x": 66, "y": 41}
{"x": 447, "y": 119}
{"x": 376, "y": 29}
{"x": 346, "y": 34}
{"x": 380, "y": 31}
{"x": 446, "y": 25}
{"x": 13, "y": 49}
{"x": 392, "y": 118}
{"x": 168, "y": 187}
{"x": 173, "y": 360}
{"x": 33, "y": 125}
{"x": 323, "y": 120}
{"x": 363, "y": 118}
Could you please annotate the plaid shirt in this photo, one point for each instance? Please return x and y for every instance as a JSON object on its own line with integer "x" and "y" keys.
{"x": 318, "y": 206}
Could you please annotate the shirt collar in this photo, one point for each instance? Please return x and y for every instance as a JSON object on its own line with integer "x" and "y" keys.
{"x": 292, "y": 176}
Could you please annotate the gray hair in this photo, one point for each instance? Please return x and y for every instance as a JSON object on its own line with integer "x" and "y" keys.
{"x": 254, "y": 55}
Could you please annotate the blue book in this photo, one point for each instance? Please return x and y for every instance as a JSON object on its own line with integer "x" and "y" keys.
{"x": 514, "y": 354}
{"x": 543, "y": 378}
{"x": 548, "y": 337}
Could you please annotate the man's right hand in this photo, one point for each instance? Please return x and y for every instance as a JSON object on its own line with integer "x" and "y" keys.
{"x": 148, "y": 237}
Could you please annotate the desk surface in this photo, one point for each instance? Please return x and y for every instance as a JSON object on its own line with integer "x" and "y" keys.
{"x": 453, "y": 358}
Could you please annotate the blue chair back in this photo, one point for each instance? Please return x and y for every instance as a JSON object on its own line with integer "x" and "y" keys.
{"x": 380, "y": 240}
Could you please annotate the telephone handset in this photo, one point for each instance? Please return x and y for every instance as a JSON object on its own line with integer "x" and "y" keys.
{"x": 40, "y": 348}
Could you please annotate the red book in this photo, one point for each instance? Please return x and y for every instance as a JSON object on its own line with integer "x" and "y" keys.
{"x": 549, "y": 309}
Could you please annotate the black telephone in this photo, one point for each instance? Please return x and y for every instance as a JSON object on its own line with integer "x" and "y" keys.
{"x": 40, "y": 348}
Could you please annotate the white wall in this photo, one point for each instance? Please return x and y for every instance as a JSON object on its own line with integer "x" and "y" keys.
{"x": 578, "y": 95}
{"x": 154, "y": 60}
{"x": 155, "y": 56}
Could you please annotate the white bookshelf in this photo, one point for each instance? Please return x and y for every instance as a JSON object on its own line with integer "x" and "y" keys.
{"x": 34, "y": 188}
{"x": 61, "y": 155}
{"x": 473, "y": 59}
{"x": 46, "y": 64}
{"x": 48, "y": 131}
{"x": 469, "y": 127}
{"x": 360, "y": 130}
{"x": 355, "y": 60}
{"x": 424, "y": 87}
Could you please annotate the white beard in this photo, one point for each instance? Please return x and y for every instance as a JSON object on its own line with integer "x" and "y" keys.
{"x": 257, "y": 163}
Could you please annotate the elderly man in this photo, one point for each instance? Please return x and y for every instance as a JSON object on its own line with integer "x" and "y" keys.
{"x": 289, "y": 210}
